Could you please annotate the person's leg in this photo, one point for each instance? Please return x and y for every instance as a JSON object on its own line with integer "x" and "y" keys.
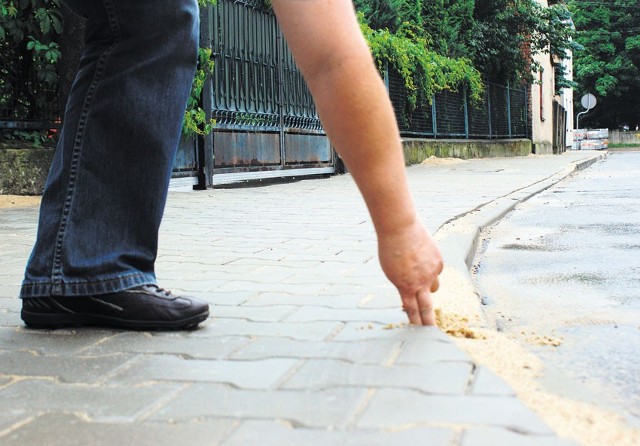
{"x": 105, "y": 195}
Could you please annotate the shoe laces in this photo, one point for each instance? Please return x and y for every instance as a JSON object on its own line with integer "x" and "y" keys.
{"x": 155, "y": 289}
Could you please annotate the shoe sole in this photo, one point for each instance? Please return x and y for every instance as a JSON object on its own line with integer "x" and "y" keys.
{"x": 63, "y": 320}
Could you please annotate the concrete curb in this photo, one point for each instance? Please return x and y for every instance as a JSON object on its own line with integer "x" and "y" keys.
{"x": 458, "y": 237}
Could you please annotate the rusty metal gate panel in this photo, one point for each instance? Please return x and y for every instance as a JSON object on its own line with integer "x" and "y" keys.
{"x": 265, "y": 117}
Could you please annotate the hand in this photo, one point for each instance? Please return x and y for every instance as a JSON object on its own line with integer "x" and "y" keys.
{"x": 412, "y": 261}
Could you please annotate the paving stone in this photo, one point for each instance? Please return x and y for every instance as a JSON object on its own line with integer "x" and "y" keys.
{"x": 273, "y": 433}
{"x": 10, "y": 419}
{"x": 272, "y": 313}
{"x": 357, "y": 331}
{"x": 9, "y": 319}
{"x": 488, "y": 383}
{"x": 412, "y": 407}
{"x": 333, "y": 408}
{"x": 69, "y": 430}
{"x": 430, "y": 352}
{"x": 444, "y": 378}
{"x": 98, "y": 402}
{"x": 261, "y": 374}
{"x": 69, "y": 369}
{"x": 315, "y": 313}
{"x": 312, "y": 331}
{"x": 364, "y": 352}
{"x": 268, "y": 287}
{"x": 52, "y": 342}
{"x": 12, "y": 304}
{"x": 9, "y": 292}
{"x": 169, "y": 343}
{"x": 495, "y": 436}
{"x": 302, "y": 298}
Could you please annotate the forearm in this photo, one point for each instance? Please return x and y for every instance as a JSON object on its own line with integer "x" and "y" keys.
{"x": 361, "y": 124}
{"x": 352, "y": 103}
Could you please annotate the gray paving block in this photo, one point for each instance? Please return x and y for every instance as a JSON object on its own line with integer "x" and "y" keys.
{"x": 488, "y": 383}
{"x": 358, "y": 331}
{"x": 52, "y": 342}
{"x": 444, "y": 378}
{"x": 430, "y": 352}
{"x": 69, "y": 369}
{"x": 302, "y": 298}
{"x": 312, "y": 331}
{"x": 9, "y": 319}
{"x": 393, "y": 408}
{"x": 272, "y": 313}
{"x": 68, "y": 430}
{"x": 250, "y": 287}
{"x": 12, "y": 418}
{"x": 333, "y": 408}
{"x": 100, "y": 403}
{"x": 495, "y": 436}
{"x": 377, "y": 351}
{"x": 274, "y": 433}
{"x": 318, "y": 313}
{"x": 260, "y": 374}
{"x": 178, "y": 343}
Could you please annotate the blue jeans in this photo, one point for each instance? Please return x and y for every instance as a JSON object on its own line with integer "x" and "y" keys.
{"x": 106, "y": 191}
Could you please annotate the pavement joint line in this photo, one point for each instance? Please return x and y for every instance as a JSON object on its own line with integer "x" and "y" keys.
{"x": 145, "y": 413}
{"x": 395, "y": 353}
{"x": 472, "y": 379}
{"x": 277, "y": 384}
{"x": 19, "y": 424}
{"x": 361, "y": 408}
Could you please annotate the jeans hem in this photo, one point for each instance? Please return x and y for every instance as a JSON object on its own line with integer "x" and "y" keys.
{"x": 85, "y": 288}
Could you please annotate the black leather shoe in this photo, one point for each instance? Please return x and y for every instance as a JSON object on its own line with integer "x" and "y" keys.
{"x": 146, "y": 307}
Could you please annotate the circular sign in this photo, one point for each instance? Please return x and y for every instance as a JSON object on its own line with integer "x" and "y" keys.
{"x": 588, "y": 101}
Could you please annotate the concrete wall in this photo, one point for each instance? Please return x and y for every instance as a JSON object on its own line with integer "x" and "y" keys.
{"x": 24, "y": 171}
{"x": 417, "y": 150}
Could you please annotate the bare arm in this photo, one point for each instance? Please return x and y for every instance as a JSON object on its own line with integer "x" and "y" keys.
{"x": 357, "y": 115}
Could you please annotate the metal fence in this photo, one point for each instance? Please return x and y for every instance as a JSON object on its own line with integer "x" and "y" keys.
{"x": 265, "y": 115}
{"x": 501, "y": 113}
{"x": 25, "y": 102}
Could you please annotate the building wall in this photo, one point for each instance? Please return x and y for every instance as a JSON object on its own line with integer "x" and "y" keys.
{"x": 542, "y": 95}
{"x": 542, "y": 98}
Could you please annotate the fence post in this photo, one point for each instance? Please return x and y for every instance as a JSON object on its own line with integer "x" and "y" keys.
{"x": 204, "y": 144}
{"x": 509, "y": 108}
{"x": 466, "y": 112}
{"x": 489, "y": 109}
{"x": 434, "y": 117}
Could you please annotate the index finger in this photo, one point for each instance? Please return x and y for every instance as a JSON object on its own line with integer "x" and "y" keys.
{"x": 426, "y": 306}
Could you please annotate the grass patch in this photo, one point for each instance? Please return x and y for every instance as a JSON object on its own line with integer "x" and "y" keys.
{"x": 624, "y": 145}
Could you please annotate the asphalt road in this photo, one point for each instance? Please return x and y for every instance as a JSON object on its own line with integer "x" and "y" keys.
{"x": 561, "y": 274}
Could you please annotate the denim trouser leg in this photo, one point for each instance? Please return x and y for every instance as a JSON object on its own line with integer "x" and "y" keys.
{"x": 106, "y": 191}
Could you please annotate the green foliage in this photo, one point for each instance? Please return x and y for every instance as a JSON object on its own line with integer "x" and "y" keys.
{"x": 195, "y": 119}
{"x": 508, "y": 33}
{"x": 609, "y": 63}
{"x": 29, "y": 53}
{"x": 424, "y": 72}
{"x": 499, "y": 37}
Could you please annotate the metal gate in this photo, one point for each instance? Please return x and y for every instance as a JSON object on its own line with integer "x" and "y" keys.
{"x": 266, "y": 122}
